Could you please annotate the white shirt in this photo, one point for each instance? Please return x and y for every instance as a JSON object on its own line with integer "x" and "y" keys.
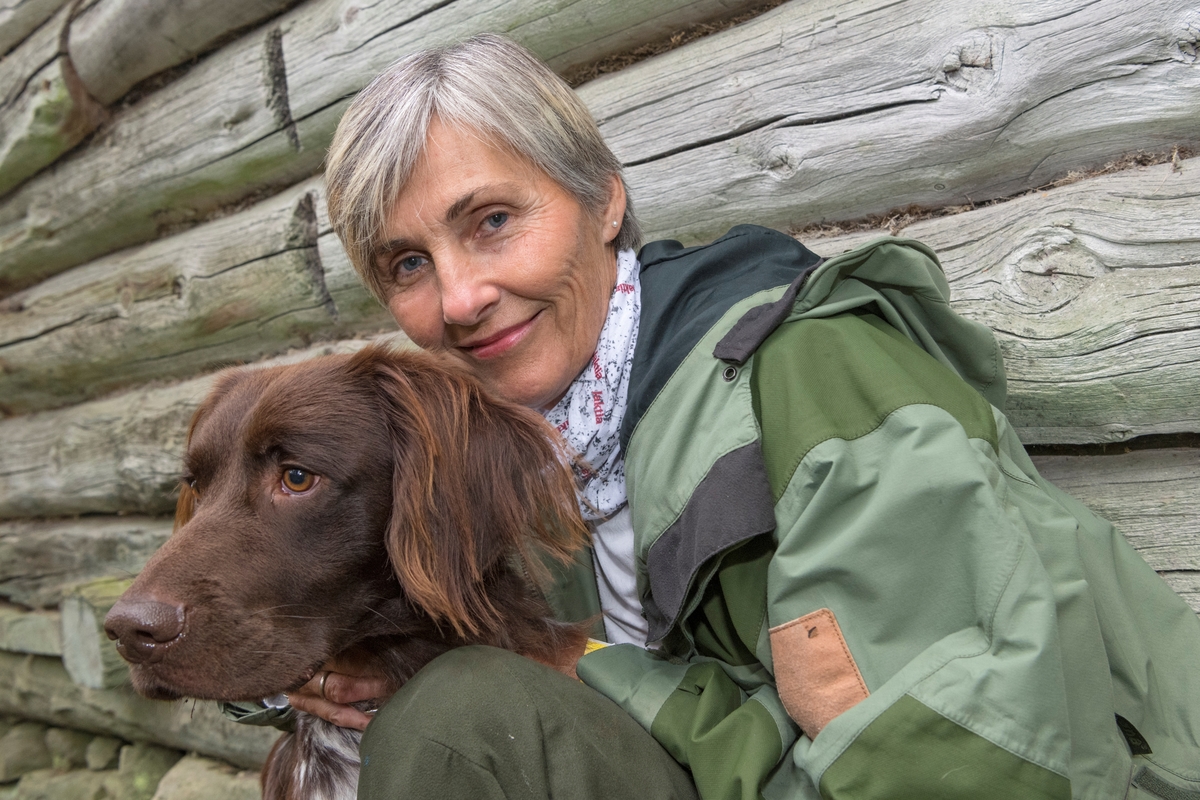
{"x": 612, "y": 556}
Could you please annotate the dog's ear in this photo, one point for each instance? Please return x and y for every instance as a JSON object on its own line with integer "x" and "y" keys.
{"x": 475, "y": 479}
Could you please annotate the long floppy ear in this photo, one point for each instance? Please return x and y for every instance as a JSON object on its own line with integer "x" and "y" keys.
{"x": 475, "y": 479}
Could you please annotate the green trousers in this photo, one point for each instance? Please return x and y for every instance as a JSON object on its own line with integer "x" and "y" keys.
{"x": 483, "y": 723}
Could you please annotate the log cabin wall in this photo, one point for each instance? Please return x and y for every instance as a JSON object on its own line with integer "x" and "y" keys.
{"x": 162, "y": 216}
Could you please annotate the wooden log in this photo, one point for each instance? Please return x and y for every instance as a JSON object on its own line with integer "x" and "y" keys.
{"x": 117, "y": 43}
{"x": 19, "y": 18}
{"x": 120, "y": 454}
{"x": 40, "y": 562}
{"x": 231, "y": 291}
{"x": 44, "y": 109}
{"x": 25, "y": 631}
{"x": 1093, "y": 290}
{"x": 813, "y": 112}
{"x": 1186, "y": 584}
{"x": 258, "y": 115}
{"x": 89, "y": 657}
{"x": 38, "y": 688}
{"x": 62, "y": 77}
{"x": 1150, "y": 495}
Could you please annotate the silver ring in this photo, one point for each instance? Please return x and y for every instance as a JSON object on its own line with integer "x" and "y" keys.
{"x": 321, "y": 685}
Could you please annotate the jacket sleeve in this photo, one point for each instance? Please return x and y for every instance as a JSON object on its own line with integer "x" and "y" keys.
{"x": 912, "y": 624}
{"x": 729, "y": 738}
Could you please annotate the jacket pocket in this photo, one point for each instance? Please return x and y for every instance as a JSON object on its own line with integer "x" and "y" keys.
{"x": 815, "y": 673}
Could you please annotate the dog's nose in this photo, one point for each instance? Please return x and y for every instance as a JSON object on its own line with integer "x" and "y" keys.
{"x": 142, "y": 628}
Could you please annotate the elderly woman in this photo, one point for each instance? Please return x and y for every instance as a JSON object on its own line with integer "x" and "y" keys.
{"x": 824, "y": 561}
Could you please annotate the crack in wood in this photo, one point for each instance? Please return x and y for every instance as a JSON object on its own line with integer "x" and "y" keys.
{"x": 1152, "y": 441}
{"x": 304, "y": 230}
{"x": 407, "y": 21}
{"x": 277, "y": 94}
{"x": 47, "y": 331}
{"x": 777, "y": 122}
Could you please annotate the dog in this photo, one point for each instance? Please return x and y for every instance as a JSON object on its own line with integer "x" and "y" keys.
{"x": 380, "y": 504}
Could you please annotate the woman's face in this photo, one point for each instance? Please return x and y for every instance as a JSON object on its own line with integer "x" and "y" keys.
{"x": 491, "y": 261}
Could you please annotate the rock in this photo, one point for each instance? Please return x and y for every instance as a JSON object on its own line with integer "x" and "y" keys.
{"x": 103, "y": 752}
{"x": 23, "y": 749}
{"x": 141, "y": 768}
{"x": 91, "y": 659}
{"x": 50, "y": 784}
{"x": 198, "y": 778}
{"x": 24, "y": 631}
{"x": 68, "y": 748}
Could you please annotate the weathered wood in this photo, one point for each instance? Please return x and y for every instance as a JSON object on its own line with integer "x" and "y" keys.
{"x": 1150, "y": 495}
{"x": 44, "y": 110}
{"x": 1186, "y": 584}
{"x": 25, "y": 631}
{"x": 259, "y": 113}
{"x": 120, "y": 454}
{"x": 816, "y": 111}
{"x": 59, "y": 80}
{"x": 19, "y": 18}
{"x": 88, "y": 655}
{"x": 38, "y": 687}
{"x": 116, "y": 43}
{"x": 40, "y": 562}
{"x": 1093, "y": 290}
{"x": 119, "y": 191}
{"x": 234, "y": 290}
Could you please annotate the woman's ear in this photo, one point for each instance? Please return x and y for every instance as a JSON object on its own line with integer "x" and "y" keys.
{"x": 474, "y": 481}
{"x": 614, "y": 211}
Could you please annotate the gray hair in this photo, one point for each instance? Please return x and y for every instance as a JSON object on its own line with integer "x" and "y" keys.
{"x": 488, "y": 84}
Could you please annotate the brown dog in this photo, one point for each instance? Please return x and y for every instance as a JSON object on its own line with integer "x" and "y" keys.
{"x": 379, "y": 502}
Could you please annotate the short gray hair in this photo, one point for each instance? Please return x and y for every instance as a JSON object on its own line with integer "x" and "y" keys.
{"x": 488, "y": 84}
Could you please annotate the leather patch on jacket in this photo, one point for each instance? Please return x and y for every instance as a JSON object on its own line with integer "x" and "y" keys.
{"x": 815, "y": 674}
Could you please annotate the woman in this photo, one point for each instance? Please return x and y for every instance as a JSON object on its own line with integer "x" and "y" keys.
{"x": 801, "y": 488}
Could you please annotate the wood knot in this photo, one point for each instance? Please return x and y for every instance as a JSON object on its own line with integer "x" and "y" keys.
{"x": 781, "y": 163}
{"x": 1051, "y": 268}
{"x": 968, "y": 63}
{"x": 1187, "y": 39}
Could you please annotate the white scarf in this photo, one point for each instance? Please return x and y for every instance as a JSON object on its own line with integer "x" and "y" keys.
{"x": 589, "y": 415}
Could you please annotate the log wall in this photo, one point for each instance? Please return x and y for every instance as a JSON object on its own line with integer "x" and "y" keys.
{"x": 162, "y": 216}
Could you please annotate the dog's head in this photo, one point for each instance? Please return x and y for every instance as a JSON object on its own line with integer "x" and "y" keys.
{"x": 334, "y": 500}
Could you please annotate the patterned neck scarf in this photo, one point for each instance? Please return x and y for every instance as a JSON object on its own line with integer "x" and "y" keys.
{"x": 589, "y": 415}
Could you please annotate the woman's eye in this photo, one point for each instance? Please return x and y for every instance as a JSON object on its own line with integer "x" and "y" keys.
{"x": 411, "y": 264}
{"x": 497, "y": 220}
{"x": 297, "y": 481}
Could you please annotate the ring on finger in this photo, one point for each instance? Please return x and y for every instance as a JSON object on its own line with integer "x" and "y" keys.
{"x": 321, "y": 685}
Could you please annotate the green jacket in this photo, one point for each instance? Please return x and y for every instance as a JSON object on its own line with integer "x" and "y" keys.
{"x": 862, "y": 587}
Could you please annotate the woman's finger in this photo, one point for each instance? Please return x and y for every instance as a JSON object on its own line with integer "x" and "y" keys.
{"x": 341, "y": 688}
{"x": 341, "y": 715}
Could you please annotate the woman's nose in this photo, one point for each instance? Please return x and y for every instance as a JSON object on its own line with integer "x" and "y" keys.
{"x": 469, "y": 296}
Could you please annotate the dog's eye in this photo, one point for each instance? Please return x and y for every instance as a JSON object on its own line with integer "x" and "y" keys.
{"x": 297, "y": 480}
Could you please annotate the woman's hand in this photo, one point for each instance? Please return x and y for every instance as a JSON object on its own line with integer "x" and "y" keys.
{"x": 342, "y": 680}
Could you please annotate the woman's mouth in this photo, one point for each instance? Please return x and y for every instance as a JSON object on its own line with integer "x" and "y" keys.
{"x": 500, "y": 342}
